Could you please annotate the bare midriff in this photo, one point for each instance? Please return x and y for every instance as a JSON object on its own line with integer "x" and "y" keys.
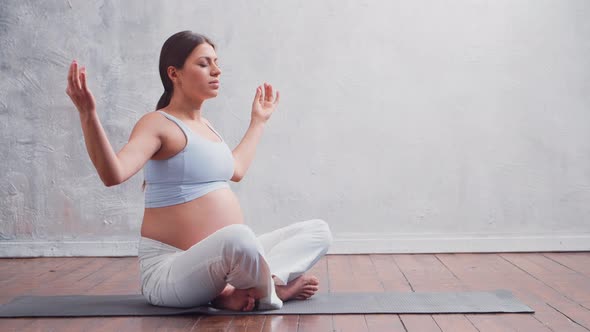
{"x": 186, "y": 224}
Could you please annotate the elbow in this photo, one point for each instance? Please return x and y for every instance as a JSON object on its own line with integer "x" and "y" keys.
{"x": 111, "y": 175}
{"x": 238, "y": 174}
{"x": 110, "y": 182}
{"x": 236, "y": 177}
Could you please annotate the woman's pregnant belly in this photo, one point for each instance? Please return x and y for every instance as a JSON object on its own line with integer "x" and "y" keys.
{"x": 185, "y": 224}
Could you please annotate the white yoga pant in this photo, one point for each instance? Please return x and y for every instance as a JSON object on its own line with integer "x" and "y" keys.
{"x": 173, "y": 277}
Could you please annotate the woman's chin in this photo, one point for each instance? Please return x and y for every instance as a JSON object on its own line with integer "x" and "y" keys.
{"x": 212, "y": 94}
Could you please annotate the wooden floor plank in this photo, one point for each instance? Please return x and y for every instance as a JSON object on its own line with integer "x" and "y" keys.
{"x": 554, "y": 284}
{"x": 348, "y": 270}
{"x": 145, "y": 323}
{"x": 75, "y": 280}
{"x": 364, "y": 274}
{"x": 488, "y": 272}
{"x": 286, "y": 323}
{"x": 419, "y": 323}
{"x": 454, "y": 322}
{"x": 214, "y": 323}
{"x": 315, "y": 323}
{"x": 119, "y": 275}
{"x": 41, "y": 281}
{"x": 384, "y": 322}
{"x": 553, "y": 295}
{"x": 14, "y": 324}
{"x": 64, "y": 324}
{"x": 247, "y": 323}
{"x": 391, "y": 279}
{"x": 36, "y": 276}
{"x": 349, "y": 323}
{"x": 555, "y": 320}
{"x": 365, "y": 277}
{"x": 570, "y": 283}
{"x": 339, "y": 270}
{"x": 425, "y": 273}
{"x": 389, "y": 274}
{"x": 19, "y": 269}
{"x": 577, "y": 261}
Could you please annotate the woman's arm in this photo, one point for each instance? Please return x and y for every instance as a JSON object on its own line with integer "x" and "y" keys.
{"x": 262, "y": 108}
{"x": 112, "y": 168}
{"x": 245, "y": 151}
{"x": 99, "y": 149}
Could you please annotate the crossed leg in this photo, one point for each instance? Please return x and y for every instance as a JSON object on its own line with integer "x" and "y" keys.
{"x": 290, "y": 252}
{"x": 234, "y": 269}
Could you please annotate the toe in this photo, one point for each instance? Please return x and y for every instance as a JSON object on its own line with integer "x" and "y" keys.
{"x": 254, "y": 293}
{"x": 250, "y": 305}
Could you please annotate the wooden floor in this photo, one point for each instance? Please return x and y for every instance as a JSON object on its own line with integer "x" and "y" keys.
{"x": 555, "y": 285}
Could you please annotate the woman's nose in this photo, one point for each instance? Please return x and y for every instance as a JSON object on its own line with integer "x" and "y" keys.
{"x": 216, "y": 71}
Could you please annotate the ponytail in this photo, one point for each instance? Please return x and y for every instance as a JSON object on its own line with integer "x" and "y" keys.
{"x": 175, "y": 51}
{"x": 164, "y": 100}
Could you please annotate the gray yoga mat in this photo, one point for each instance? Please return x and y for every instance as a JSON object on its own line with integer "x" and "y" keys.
{"x": 323, "y": 303}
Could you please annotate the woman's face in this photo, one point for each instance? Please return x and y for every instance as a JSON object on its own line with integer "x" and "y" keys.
{"x": 199, "y": 77}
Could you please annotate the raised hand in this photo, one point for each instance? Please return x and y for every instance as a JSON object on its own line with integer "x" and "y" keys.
{"x": 264, "y": 104}
{"x": 78, "y": 90}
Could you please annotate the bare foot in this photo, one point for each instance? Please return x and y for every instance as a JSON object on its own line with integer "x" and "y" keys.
{"x": 300, "y": 288}
{"x": 235, "y": 299}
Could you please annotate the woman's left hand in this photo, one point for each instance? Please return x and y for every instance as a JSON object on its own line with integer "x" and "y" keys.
{"x": 264, "y": 104}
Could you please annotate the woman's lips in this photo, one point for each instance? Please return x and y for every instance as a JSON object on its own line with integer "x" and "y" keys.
{"x": 214, "y": 85}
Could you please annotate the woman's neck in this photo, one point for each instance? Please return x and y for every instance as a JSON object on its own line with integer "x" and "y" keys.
{"x": 184, "y": 108}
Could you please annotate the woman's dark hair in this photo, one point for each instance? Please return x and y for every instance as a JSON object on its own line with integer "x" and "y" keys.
{"x": 174, "y": 53}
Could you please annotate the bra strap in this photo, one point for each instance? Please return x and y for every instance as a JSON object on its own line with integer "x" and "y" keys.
{"x": 179, "y": 123}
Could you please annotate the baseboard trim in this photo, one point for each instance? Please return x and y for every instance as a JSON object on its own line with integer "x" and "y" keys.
{"x": 364, "y": 243}
{"x": 22, "y": 249}
{"x": 344, "y": 243}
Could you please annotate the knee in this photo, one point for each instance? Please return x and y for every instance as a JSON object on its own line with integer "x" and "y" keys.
{"x": 240, "y": 241}
{"x": 321, "y": 232}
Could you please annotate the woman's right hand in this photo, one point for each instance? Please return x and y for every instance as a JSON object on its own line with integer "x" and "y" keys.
{"x": 78, "y": 91}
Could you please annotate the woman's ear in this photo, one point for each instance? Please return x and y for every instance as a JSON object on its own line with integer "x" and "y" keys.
{"x": 172, "y": 73}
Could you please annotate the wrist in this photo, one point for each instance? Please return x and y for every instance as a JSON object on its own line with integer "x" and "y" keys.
{"x": 257, "y": 123}
{"x": 87, "y": 115}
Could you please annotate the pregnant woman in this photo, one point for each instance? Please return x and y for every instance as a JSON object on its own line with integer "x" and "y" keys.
{"x": 194, "y": 247}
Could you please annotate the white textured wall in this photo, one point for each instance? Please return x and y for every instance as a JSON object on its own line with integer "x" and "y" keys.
{"x": 410, "y": 126}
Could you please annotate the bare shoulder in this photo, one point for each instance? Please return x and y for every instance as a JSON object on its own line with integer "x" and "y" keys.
{"x": 152, "y": 116}
{"x": 151, "y": 123}
{"x": 151, "y": 120}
